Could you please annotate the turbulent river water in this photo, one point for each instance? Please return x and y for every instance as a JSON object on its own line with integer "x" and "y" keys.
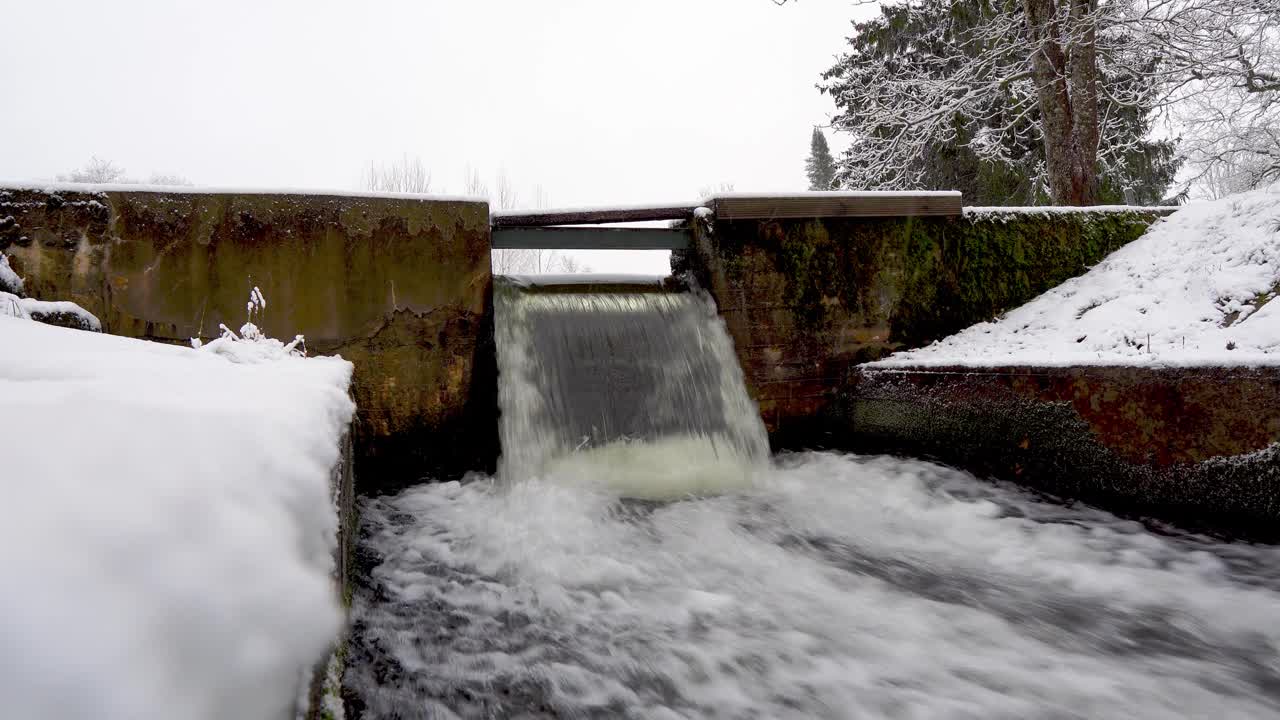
{"x": 812, "y": 585}
{"x": 837, "y": 587}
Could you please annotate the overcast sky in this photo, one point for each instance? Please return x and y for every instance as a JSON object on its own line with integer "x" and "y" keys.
{"x": 597, "y": 101}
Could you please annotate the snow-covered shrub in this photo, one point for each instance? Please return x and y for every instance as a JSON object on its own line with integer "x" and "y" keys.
{"x": 251, "y": 345}
{"x": 61, "y": 313}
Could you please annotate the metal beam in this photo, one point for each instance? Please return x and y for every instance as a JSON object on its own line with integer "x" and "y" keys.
{"x": 592, "y": 216}
{"x": 590, "y": 238}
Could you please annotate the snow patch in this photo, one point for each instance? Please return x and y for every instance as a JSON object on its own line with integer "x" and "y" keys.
{"x": 980, "y": 210}
{"x": 167, "y": 530}
{"x": 11, "y": 306}
{"x": 1196, "y": 289}
{"x": 9, "y": 280}
{"x": 39, "y": 310}
{"x": 675, "y": 206}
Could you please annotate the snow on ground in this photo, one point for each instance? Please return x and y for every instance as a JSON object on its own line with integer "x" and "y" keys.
{"x": 32, "y": 309}
{"x": 1196, "y": 289}
{"x": 167, "y": 528}
{"x": 12, "y": 306}
{"x": 9, "y": 280}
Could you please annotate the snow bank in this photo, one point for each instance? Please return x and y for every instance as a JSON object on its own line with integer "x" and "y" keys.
{"x": 63, "y": 313}
{"x": 1196, "y": 289}
{"x": 9, "y": 280}
{"x": 167, "y": 528}
{"x": 12, "y": 306}
{"x": 58, "y": 312}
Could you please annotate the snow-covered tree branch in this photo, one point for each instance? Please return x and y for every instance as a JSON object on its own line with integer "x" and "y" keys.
{"x": 1033, "y": 100}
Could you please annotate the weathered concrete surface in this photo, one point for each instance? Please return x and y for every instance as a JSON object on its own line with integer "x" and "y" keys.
{"x": 398, "y": 286}
{"x": 806, "y": 300}
{"x": 1200, "y": 446}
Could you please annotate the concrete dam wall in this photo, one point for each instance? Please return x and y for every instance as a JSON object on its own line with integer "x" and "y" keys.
{"x": 402, "y": 287}
{"x": 399, "y": 286}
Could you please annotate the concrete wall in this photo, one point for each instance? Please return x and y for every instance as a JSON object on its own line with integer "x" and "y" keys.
{"x": 324, "y": 687}
{"x": 807, "y": 300}
{"x": 398, "y": 286}
{"x": 1197, "y": 445}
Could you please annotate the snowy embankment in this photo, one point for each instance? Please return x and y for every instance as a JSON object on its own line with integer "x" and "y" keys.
{"x": 167, "y": 527}
{"x": 1196, "y": 289}
{"x": 13, "y": 303}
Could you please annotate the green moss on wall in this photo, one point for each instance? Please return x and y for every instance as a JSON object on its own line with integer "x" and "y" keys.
{"x": 925, "y": 277}
{"x": 974, "y": 268}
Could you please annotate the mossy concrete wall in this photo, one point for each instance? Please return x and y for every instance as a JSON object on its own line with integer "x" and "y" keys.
{"x": 398, "y": 286}
{"x": 807, "y": 300}
{"x": 1200, "y": 446}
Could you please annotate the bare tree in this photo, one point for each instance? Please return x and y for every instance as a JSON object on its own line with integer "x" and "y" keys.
{"x": 506, "y": 196}
{"x": 1223, "y": 77}
{"x": 406, "y": 175}
{"x": 720, "y": 188}
{"x": 101, "y": 172}
{"x": 96, "y": 171}
{"x": 541, "y": 199}
{"x": 473, "y": 185}
{"x": 522, "y": 261}
{"x": 169, "y": 180}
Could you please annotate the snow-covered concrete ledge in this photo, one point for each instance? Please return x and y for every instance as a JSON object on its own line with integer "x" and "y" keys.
{"x": 66, "y": 187}
{"x": 1049, "y": 210}
{"x": 168, "y": 527}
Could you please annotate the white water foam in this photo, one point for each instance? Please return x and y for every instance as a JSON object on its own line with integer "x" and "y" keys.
{"x": 838, "y": 587}
{"x": 644, "y": 382}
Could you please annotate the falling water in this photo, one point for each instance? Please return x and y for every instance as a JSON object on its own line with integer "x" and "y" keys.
{"x": 645, "y": 382}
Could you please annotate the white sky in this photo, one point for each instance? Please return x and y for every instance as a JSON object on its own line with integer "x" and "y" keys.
{"x": 597, "y": 101}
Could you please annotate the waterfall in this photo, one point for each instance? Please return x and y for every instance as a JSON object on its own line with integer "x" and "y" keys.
{"x": 639, "y": 390}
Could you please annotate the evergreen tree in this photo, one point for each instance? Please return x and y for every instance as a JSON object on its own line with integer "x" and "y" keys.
{"x": 941, "y": 94}
{"x": 820, "y": 167}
